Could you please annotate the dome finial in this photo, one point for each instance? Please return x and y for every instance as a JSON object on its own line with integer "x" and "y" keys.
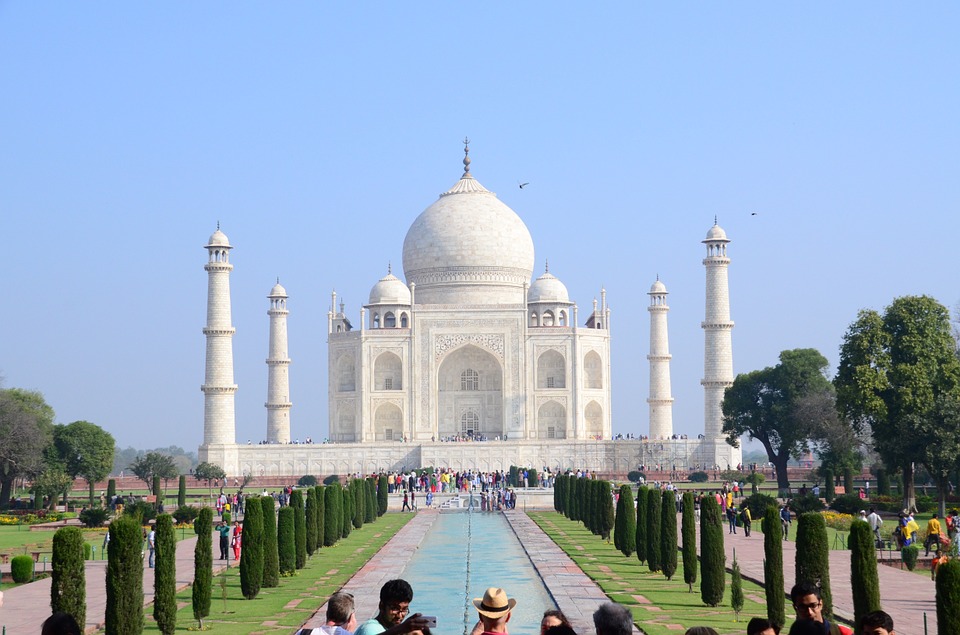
{"x": 546, "y": 266}
{"x": 466, "y": 156}
{"x": 218, "y": 225}
{"x": 278, "y": 279}
{"x": 714, "y": 219}
{"x": 389, "y": 267}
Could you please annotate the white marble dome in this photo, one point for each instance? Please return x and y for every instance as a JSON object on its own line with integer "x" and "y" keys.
{"x": 278, "y": 291}
{"x": 218, "y": 239}
{"x": 716, "y": 233}
{"x": 468, "y": 248}
{"x": 548, "y": 288}
{"x": 658, "y": 287}
{"x": 389, "y": 290}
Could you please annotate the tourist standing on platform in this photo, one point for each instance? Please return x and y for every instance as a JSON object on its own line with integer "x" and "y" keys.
{"x": 224, "y": 530}
{"x": 395, "y": 599}
{"x": 785, "y": 521}
{"x": 494, "y": 609}
{"x": 809, "y": 608}
{"x": 613, "y": 619}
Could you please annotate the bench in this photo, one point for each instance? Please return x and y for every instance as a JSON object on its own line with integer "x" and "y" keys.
{"x": 36, "y": 554}
{"x": 4, "y": 558}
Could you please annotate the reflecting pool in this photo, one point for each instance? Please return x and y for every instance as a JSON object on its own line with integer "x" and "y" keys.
{"x": 462, "y": 555}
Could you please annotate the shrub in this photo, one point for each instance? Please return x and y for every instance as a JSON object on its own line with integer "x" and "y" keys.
{"x": 185, "y": 514}
{"x": 654, "y": 550}
{"x": 813, "y": 556}
{"x": 641, "y": 541}
{"x": 203, "y": 565}
{"x": 847, "y": 504}
{"x": 332, "y": 515}
{"x": 165, "y": 575}
{"x": 307, "y": 480}
{"x": 713, "y": 575}
{"x": 863, "y": 569}
{"x": 773, "y": 565}
{"x": 668, "y": 533}
{"x": 21, "y": 569}
{"x": 94, "y": 516}
{"x": 87, "y": 551}
{"x": 803, "y": 504}
{"x": 299, "y": 527}
{"x": 251, "y": 555}
{"x": 330, "y": 480}
{"x": 948, "y": 593}
{"x": 909, "y": 555}
{"x": 689, "y": 536}
{"x": 111, "y": 489}
{"x": 143, "y": 511}
{"x": 68, "y": 585}
{"x": 758, "y": 503}
{"x": 756, "y": 479}
{"x": 634, "y": 476}
{"x": 182, "y": 491}
{"x": 286, "y": 541}
{"x": 698, "y": 477}
{"x": 125, "y": 577}
{"x": 271, "y": 556}
{"x": 625, "y": 530}
{"x": 383, "y": 489}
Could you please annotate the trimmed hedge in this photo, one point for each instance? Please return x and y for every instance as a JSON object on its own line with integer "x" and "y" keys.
{"x": 698, "y": 477}
{"x": 773, "y": 565}
{"x": 124, "y": 614}
{"x": 803, "y": 504}
{"x": 641, "y": 540}
{"x": 321, "y": 513}
{"x": 668, "y": 533}
{"x": 813, "y": 557}
{"x": 182, "y": 491}
{"x": 299, "y": 527}
{"x": 847, "y": 504}
{"x": 311, "y": 513}
{"x": 287, "y": 541}
{"x": 758, "y": 503}
{"x": 383, "y": 489}
{"x": 948, "y": 594}
{"x": 370, "y": 501}
{"x": 271, "y": 556}
{"x": 68, "y": 591}
{"x": 863, "y": 569}
{"x": 333, "y": 514}
{"x": 689, "y": 536}
{"x": 625, "y": 530}
{"x": 165, "y": 575}
{"x": 654, "y": 553}
{"x": 713, "y": 575}
{"x": 307, "y": 480}
{"x": 202, "y": 565}
{"x": 21, "y": 569}
{"x": 251, "y": 552}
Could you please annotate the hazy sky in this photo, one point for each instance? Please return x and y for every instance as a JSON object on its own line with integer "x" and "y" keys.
{"x": 316, "y": 132}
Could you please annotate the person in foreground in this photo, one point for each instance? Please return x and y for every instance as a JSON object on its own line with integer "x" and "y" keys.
{"x": 60, "y": 624}
{"x": 551, "y": 618}
{"x": 494, "y": 609}
{"x": 613, "y": 619}
{"x": 701, "y": 630}
{"x": 341, "y": 617}
{"x": 877, "y": 623}
{"x": 395, "y": 598}
{"x": 762, "y": 626}
{"x": 809, "y": 607}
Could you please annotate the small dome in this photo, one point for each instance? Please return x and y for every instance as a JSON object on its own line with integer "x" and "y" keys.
{"x": 547, "y": 288}
{"x": 389, "y": 290}
{"x": 218, "y": 239}
{"x": 278, "y": 291}
{"x": 716, "y": 233}
{"x": 658, "y": 287}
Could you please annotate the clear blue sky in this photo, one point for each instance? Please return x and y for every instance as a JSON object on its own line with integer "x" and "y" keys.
{"x": 315, "y": 132}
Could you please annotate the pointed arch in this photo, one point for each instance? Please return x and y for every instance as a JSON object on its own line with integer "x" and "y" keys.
{"x": 593, "y": 371}
{"x": 388, "y": 372}
{"x": 551, "y": 370}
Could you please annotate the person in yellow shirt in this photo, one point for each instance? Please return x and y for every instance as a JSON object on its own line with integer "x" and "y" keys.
{"x": 933, "y": 535}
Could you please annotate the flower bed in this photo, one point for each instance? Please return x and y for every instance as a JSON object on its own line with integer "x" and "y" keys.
{"x": 22, "y": 517}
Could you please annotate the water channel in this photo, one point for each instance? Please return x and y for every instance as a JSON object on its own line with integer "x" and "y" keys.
{"x": 464, "y": 553}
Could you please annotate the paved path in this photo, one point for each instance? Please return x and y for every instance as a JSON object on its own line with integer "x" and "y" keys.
{"x": 27, "y": 606}
{"x": 904, "y": 595}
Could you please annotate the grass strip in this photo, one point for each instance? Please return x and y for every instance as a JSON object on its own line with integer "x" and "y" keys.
{"x": 659, "y": 606}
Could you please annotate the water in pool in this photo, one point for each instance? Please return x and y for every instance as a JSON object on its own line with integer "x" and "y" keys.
{"x": 465, "y": 553}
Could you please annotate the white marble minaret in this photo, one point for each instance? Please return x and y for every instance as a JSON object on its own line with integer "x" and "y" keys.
{"x": 660, "y": 400}
{"x": 219, "y": 419}
{"x": 718, "y": 350}
{"x": 278, "y": 365}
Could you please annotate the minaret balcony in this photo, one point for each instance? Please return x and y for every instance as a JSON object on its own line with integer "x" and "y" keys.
{"x": 221, "y": 331}
{"x": 223, "y": 390}
{"x": 717, "y": 325}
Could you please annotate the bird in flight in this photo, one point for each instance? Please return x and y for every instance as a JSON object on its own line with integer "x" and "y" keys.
{"x": 753, "y": 213}
{"x": 523, "y": 185}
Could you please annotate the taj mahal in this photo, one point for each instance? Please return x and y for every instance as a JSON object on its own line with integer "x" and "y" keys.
{"x": 469, "y": 346}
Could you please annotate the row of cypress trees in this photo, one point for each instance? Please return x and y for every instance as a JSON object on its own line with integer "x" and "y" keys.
{"x": 586, "y": 500}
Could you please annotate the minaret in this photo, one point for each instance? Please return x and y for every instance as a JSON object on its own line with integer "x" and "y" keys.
{"x": 660, "y": 400}
{"x": 219, "y": 420}
{"x": 278, "y": 369}
{"x": 718, "y": 350}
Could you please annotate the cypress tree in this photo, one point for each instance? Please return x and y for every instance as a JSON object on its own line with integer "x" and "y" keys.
{"x": 68, "y": 589}
{"x": 557, "y": 495}
{"x": 165, "y": 575}
{"x": 287, "y": 541}
{"x": 124, "y": 614}
{"x": 848, "y": 480}
{"x": 370, "y": 501}
{"x": 736, "y": 589}
{"x": 689, "y": 535}
{"x": 359, "y": 488}
{"x": 654, "y": 552}
{"x": 321, "y": 512}
{"x": 574, "y": 514}
{"x": 271, "y": 556}
{"x": 346, "y": 514}
{"x": 773, "y": 565}
{"x": 182, "y": 491}
{"x": 948, "y": 595}
{"x": 332, "y": 520}
{"x": 251, "y": 555}
{"x": 383, "y": 491}
{"x": 713, "y": 574}
{"x": 202, "y": 565}
{"x": 883, "y": 481}
{"x": 863, "y": 572}
{"x": 641, "y": 542}
{"x": 605, "y": 517}
{"x": 588, "y": 509}
{"x": 813, "y": 557}
{"x": 668, "y": 533}
{"x": 300, "y": 527}
{"x": 625, "y": 534}
{"x": 157, "y": 491}
{"x": 311, "y": 513}
{"x": 829, "y": 484}
{"x": 111, "y": 489}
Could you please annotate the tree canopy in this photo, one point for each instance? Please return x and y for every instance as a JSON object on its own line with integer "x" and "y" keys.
{"x": 26, "y": 427}
{"x": 85, "y": 449}
{"x": 154, "y": 464}
{"x": 766, "y": 405}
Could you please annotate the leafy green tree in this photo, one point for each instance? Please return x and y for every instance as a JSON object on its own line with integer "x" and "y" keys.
{"x": 311, "y": 513}
{"x": 773, "y": 565}
{"x": 251, "y": 556}
{"x": 713, "y": 575}
{"x": 383, "y": 490}
{"x": 165, "y": 575}
{"x": 892, "y": 370}
{"x": 203, "y": 565}
{"x": 85, "y": 450}
{"x": 766, "y": 406}
{"x": 271, "y": 555}
{"x": 864, "y": 580}
{"x": 668, "y": 533}
{"x": 370, "y": 501}
{"x": 287, "y": 541}
{"x": 948, "y": 595}
{"x": 689, "y": 535}
{"x": 813, "y": 556}
{"x": 154, "y": 464}
{"x": 625, "y": 532}
{"x": 209, "y": 472}
{"x": 654, "y": 548}
{"x": 124, "y": 614}
{"x": 333, "y": 514}
{"x": 68, "y": 584}
{"x": 51, "y": 482}
{"x": 736, "y": 589}
{"x": 26, "y": 427}
{"x": 641, "y": 541}
{"x": 299, "y": 527}
{"x": 940, "y": 426}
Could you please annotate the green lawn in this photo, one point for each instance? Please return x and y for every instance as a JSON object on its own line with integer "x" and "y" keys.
{"x": 654, "y": 601}
{"x": 283, "y": 609}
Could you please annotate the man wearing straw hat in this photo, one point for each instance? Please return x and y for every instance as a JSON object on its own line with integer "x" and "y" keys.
{"x": 494, "y": 609}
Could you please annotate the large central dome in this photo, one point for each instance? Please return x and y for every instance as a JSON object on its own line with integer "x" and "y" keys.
{"x": 468, "y": 248}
